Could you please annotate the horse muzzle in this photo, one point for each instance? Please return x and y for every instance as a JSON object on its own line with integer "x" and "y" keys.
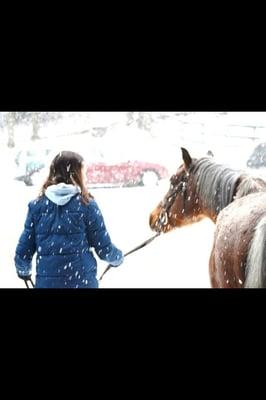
{"x": 158, "y": 223}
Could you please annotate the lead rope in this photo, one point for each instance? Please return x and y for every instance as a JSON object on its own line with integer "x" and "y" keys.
{"x": 27, "y": 285}
{"x": 132, "y": 251}
{"x": 110, "y": 265}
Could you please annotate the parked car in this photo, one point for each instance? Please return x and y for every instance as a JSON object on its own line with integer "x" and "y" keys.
{"x": 30, "y": 163}
{"x": 99, "y": 173}
{"x": 130, "y": 173}
{"x": 258, "y": 157}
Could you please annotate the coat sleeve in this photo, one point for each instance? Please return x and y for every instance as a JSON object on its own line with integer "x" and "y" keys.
{"x": 26, "y": 247}
{"x": 99, "y": 238}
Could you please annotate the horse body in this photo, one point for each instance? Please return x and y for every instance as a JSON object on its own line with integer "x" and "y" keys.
{"x": 235, "y": 228}
{"x": 233, "y": 200}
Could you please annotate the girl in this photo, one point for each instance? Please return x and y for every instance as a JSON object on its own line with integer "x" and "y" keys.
{"x": 63, "y": 225}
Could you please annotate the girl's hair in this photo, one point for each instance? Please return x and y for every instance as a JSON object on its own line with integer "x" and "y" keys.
{"x": 66, "y": 167}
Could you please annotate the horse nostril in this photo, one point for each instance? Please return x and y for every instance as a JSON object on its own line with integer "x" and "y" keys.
{"x": 151, "y": 221}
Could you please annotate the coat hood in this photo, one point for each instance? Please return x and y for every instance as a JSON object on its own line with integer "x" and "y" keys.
{"x": 61, "y": 193}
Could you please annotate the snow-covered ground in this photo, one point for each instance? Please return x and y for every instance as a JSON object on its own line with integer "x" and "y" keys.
{"x": 176, "y": 260}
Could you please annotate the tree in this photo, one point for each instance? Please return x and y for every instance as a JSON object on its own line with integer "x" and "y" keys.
{"x": 142, "y": 119}
{"x": 130, "y": 117}
{"x": 35, "y": 126}
{"x": 10, "y": 118}
{"x": 145, "y": 120}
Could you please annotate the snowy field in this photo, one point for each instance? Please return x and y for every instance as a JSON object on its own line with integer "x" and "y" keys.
{"x": 178, "y": 259}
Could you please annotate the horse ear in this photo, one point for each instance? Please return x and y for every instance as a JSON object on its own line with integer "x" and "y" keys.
{"x": 186, "y": 157}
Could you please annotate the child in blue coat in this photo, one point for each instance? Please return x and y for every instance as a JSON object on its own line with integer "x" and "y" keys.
{"x": 63, "y": 225}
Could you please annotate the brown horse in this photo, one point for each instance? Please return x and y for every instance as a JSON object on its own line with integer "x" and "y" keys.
{"x": 235, "y": 202}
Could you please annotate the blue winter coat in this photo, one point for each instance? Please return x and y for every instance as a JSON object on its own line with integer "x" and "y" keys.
{"x": 63, "y": 231}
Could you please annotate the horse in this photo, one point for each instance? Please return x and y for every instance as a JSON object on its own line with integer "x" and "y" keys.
{"x": 236, "y": 203}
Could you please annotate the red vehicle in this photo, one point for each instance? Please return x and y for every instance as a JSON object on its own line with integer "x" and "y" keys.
{"x": 33, "y": 167}
{"x": 130, "y": 173}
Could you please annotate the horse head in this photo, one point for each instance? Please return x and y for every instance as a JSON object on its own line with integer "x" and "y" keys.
{"x": 180, "y": 206}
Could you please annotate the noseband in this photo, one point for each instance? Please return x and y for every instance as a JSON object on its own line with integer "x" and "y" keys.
{"x": 169, "y": 200}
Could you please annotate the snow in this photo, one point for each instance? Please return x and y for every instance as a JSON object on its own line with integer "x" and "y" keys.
{"x": 178, "y": 259}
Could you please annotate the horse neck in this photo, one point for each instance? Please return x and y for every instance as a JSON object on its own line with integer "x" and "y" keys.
{"x": 215, "y": 186}
{"x": 206, "y": 212}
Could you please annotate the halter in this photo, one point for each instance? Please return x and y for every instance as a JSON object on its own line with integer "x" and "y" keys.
{"x": 170, "y": 199}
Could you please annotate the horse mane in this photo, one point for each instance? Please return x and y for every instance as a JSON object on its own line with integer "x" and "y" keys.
{"x": 249, "y": 184}
{"x": 216, "y": 184}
